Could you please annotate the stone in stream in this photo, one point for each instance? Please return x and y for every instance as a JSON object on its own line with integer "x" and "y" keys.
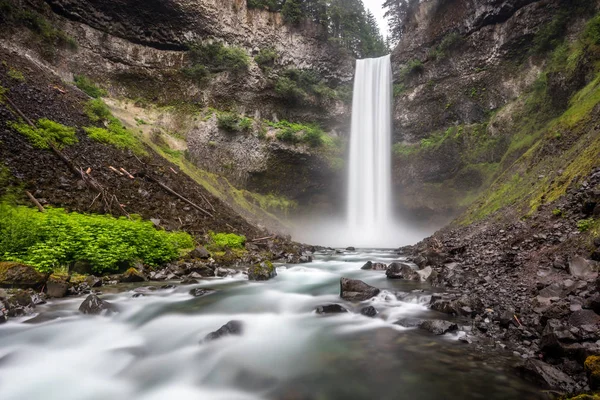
{"x": 545, "y": 375}
{"x": 331, "y": 309}
{"x": 57, "y": 286}
{"x": 369, "y": 311}
{"x": 355, "y": 290}
{"x": 94, "y": 305}
{"x": 262, "y": 272}
{"x": 17, "y": 275}
{"x": 350, "y": 248}
{"x": 233, "y": 327}
{"x": 132, "y": 275}
{"x": 199, "y": 292}
{"x": 189, "y": 281}
{"x": 3, "y": 313}
{"x": 438, "y": 326}
{"x": 374, "y": 266}
{"x": 398, "y": 270}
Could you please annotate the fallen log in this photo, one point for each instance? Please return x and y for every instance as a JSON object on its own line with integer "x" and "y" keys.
{"x": 35, "y": 201}
{"x": 174, "y": 193}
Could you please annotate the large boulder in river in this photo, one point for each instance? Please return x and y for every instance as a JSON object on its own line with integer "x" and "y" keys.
{"x": 369, "y": 265}
{"x": 355, "y": 290}
{"x": 398, "y": 270}
{"x": 94, "y": 305}
{"x": 262, "y": 272}
{"x": 331, "y": 309}
{"x": 231, "y": 328}
{"x": 133, "y": 275}
{"x": 438, "y": 326}
{"x": 17, "y": 275}
{"x": 57, "y": 285}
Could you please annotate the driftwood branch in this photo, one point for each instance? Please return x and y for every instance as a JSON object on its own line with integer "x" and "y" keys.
{"x": 35, "y": 201}
{"x": 262, "y": 238}
{"x": 174, "y": 193}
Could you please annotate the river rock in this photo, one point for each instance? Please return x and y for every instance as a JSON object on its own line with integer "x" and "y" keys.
{"x": 368, "y": 265}
{"x": 94, "y": 305}
{"x": 350, "y": 248}
{"x": 545, "y": 375}
{"x": 438, "y": 326}
{"x": 331, "y": 309}
{"x": 369, "y": 311}
{"x": 199, "y": 252}
{"x": 409, "y": 322}
{"x": 262, "y": 272}
{"x": 425, "y": 274}
{"x": 17, "y": 275}
{"x": 93, "y": 281}
{"x": 3, "y": 313}
{"x": 57, "y": 286}
{"x": 584, "y": 317}
{"x": 355, "y": 290}
{"x": 398, "y": 270}
{"x": 199, "y": 292}
{"x": 581, "y": 268}
{"x": 233, "y": 327}
{"x": 189, "y": 281}
{"x": 592, "y": 370}
{"x": 132, "y": 275}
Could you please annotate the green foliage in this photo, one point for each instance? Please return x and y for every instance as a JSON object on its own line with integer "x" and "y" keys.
{"x": 292, "y": 132}
{"x": 89, "y": 87}
{"x": 297, "y": 86}
{"x": 411, "y": 68}
{"x": 448, "y": 43}
{"x": 266, "y": 57}
{"x": 591, "y": 33}
{"x": 292, "y": 11}
{"x": 271, "y": 5}
{"x": 216, "y": 57}
{"x": 46, "y": 133}
{"x": 223, "y": 241}
{"x": 557, "y": 212}
{"x": 3, "y": 92}
{"x": 57, "y": 239}
{"x": 16, "y": 75}
{"x": 584, "y": 225}
{"x": 399, "y": 88}
{"x": 198, "y": 73}
{"x": 288, "y": 89}
{"x": 551, "y": 34}
{"x": 233, "y": 122}
{"x": 114, "y": 133}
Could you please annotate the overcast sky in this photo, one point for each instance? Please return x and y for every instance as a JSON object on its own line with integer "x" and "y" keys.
{"x": 375, "y": 7}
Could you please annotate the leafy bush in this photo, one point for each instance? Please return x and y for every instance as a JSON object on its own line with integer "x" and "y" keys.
{"x": 291, "y": 132}
{"x": 233, "y": 122}
{"x": 557, "y": 212}
{"x": 585, "y": 224}
{"x": 288, "y": 89}
{"x": 16, "y": 75}
{"x": 88, "y": 86}
{"x": 591, "y": 34}
{"x": 216, "y": 57}
{"x": 412, "y": 67}
{"x": 399, "y": 88}
{"x": 198, "y": 73}
{"x": 45, "y": 133}
{"x": 296, "y": 85}
{"x": 97, "y": 111}
{"x": 288, "y": 135}
{"x": 292, "y": 11}
{"x": 449, "y": 42}
{"x": 223, "y": 241}
{"x": 271, "y": 5}
{"x": 266, "y": 57}
{"x": 56, "y": 239}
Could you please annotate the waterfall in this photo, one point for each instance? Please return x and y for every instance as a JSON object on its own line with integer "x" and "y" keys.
{"x": 369, "y": 217}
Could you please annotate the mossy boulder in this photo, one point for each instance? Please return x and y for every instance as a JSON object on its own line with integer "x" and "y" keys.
{"x": 57, "y": 285}
{"x": 133, "y": 275}
{"x": 592, "y": 369}
{"x": 17, "y": 275}
{"x": 262, "y": 271}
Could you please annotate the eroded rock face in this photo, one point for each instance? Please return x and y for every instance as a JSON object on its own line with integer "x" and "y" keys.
{"x": 355, "y": 290}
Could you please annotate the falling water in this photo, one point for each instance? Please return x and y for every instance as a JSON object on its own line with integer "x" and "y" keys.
{"x": 369, "y": 191}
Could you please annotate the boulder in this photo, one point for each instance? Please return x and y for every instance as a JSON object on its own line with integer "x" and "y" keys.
{"x": 545, "y": 375}
{"x": 426, "y": 274}
{"x": 199, "y": 252}
{"x": 94, "y": 305}
{"x": 368, "y": 265}
{"x": 581, "y": 268}
{"x": 438, "y": 326}
{"x": 374, "y": 266}
{"x": 3, "y": 313}
{"x": 189, "y": 281}
{"x": 93, "y": 281}
{"x": 199, "y": 292}
{"x": 593, "y": 303}
{"x": 57, "y": 285}
{"x": 262, "y": 272}
{"x": 231, "y": 328}
{"x": 17, "y": 275}
{"x": 355, "y": 290}
{"x": 592, "y": 370}
{"x": 132, "y": 275}
{"x": 409, "y": 322}
{"x": 331, "y": 309}
{"x": 350, "y": 248}
{"x": 584, "y": 317}
{"x": 369, "y": 311}
{"x": 398, "y": 270}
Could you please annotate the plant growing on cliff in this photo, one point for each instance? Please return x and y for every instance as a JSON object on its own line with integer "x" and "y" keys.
{"x": 57, "y": 238}
{"x": 448, "y": 43}
{"x": 46, "y": 133}
{"x": 88, "y": 86}
{"x": 266, "y": 57}
{"x": 584, "y": 225}
{"x": 16, "y": 75}
{"x": 223, "y": 241}
{"x": 216, "y": 57}
{"x": 233, "y": 122}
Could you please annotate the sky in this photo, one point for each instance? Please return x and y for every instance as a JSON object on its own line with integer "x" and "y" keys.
{"x": 375, "y": 7}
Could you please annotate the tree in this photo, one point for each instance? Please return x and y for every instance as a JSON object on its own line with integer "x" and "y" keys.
{"x": 292, "y": 11}
{"x": 397, "y": 12}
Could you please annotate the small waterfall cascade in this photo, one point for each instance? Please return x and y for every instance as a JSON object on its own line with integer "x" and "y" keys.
{"x": 370, "y": 216}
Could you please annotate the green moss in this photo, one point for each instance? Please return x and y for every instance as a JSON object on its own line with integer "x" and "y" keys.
{"x": 448, "y": 43}
{"x": 223, "y": 242}
{"x": 88, "y": 86}
{"x": 583, "y": 225}
{"x": 46, "y": 133}
{"x": 233, "y": 122}
{"x": 16, "y": 75}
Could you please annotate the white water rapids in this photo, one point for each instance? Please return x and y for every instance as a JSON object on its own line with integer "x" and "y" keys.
{"x": 370, "y": 216}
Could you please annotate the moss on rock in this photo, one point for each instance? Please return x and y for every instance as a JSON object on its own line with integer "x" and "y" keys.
{"x": 262, "y": 271}
{"x": 592, "y": 369}
{"x": 17, "y": 275}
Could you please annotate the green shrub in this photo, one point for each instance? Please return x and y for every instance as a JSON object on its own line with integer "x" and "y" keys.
{"x": 557, "y": 212}
{"x": 223, "y": 241}
{"x": 585, "y": 224}
{"x": 399, "y": 88}
{"x": 591, "y": 33}
{"x": 271, "y": 5}
{"x": 288, "y": 89}
{"x": 550, "y": 35}
{"x": 45, "y": 133}
{"x": 16, "y": 75}
{"x": 233, "y": 122}
{"x": 292, "y": 11}
{"x": 88, "y": 86}
{"x": 198, "y": 73}
{"x": 57, "y": 239}
{"x": 97, "y": 111}
{"x": 448, "y": 43}
{"x": 287, "y": 135}
{"x": 215, "y": 57}
{"x": 292, "y": 132}
{"x": 266, "y": 57}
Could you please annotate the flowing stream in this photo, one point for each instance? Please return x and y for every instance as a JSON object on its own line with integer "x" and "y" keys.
{"x": 369, "y": 183}
{"x": 152, "y": 349}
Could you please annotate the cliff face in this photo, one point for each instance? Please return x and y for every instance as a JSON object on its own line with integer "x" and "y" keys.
{"x": 459, "y": 70}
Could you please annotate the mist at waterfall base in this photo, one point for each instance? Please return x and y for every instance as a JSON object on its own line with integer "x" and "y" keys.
{"x": 369, "y": 219}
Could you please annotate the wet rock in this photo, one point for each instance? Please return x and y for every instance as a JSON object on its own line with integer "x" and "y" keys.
{"x": 426, "y": 274}
{"x": 368, "y": 265}
{"x": 132, "y": 275}
{"x": 369, "y": 311}
{"x": 409, "y": 322}
{"x": 442, "y": 305}
{"x": 401, "y": 271}
{"x": 581, "y": 268}
{"x": 262, "y": 272}
{"x": 93, "y": 305}
{"x": 223, "y": 272}
{"x": 555, "y": 337}
{"x": 545, "y": 375}
{"x": 93, "y": 281}
{"x": 199, "y": 252}
{"x": 199, "y": 292}
{"x": 331, "y": 309}
{"x": 231, "y": 328}
{"x": 81, "y": 267}
{"x": 57, "y": 286}
{"x": 355, "y": 290}
{"x": 136, "y": 295}
{"x": 593, "y": 303}
{"x": 189, "y": 281}
{"x": 350, "y": 248}
{"x": 592, "y": 371}
{"x": 374, "y": 266}
{"x": 21, "y": 276}
{"x": 584, "y": 317}
{"x": 438, "y": 326}
{"x": 3, "y": 313}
